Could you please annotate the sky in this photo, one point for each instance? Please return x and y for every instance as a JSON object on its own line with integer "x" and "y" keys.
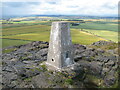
{"x": 60, "y": 7}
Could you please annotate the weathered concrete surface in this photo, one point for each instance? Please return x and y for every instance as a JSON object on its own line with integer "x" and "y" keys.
{"x": 60, "y": 53}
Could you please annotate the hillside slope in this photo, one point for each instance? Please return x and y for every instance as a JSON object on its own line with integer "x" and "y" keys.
{"x": 95, "y": 67}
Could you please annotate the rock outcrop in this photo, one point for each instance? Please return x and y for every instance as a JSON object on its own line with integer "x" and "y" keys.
{"x": 21, "y": 68}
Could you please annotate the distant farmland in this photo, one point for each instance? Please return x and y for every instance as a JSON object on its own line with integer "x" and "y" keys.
{"x": 26, "y": 31}
{"x": 105, "y": 29}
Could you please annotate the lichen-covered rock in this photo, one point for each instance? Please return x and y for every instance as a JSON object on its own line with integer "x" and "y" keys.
{"x": 99, "y": 43}
{"x": 21, "y": 68}
{"x": 110, "y": 79}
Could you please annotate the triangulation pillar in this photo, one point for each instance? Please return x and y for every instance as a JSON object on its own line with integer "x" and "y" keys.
{"x": 60, "y": 52}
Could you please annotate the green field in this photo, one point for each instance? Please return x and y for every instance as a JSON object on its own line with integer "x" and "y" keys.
{"x": 13, "y": 42}
{"x": 106, "y": 30}
{"x": 22, "y": 33}
{"x": 109, "y": 26}
{"x": 109, "y": 35}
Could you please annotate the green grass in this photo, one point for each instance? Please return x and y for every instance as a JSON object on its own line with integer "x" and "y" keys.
{"x": 98, "y": 26}
{"x": 25, "y": 29}
{"x": 69, "y": 81}
{"x": 8, "y": 50}
{"x": 105, "y": 29}
{"x": 17, "y": 34}
{"x": 110, "y": 35}
{"x": 44, "y": 67}
{"x": 83, "y": 37}
{"x": 43, "y": 35}
{"x": 25, "y": 23}
{"x": 8, "y": 42}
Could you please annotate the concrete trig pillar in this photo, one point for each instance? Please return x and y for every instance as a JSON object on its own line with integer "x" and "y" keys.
{"x": 60, "y": 52}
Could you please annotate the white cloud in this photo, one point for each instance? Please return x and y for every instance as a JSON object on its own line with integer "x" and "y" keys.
{"x": 75, "y": 7}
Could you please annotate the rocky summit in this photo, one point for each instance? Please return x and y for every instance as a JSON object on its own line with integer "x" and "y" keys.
{"x": 96, "y": 65}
